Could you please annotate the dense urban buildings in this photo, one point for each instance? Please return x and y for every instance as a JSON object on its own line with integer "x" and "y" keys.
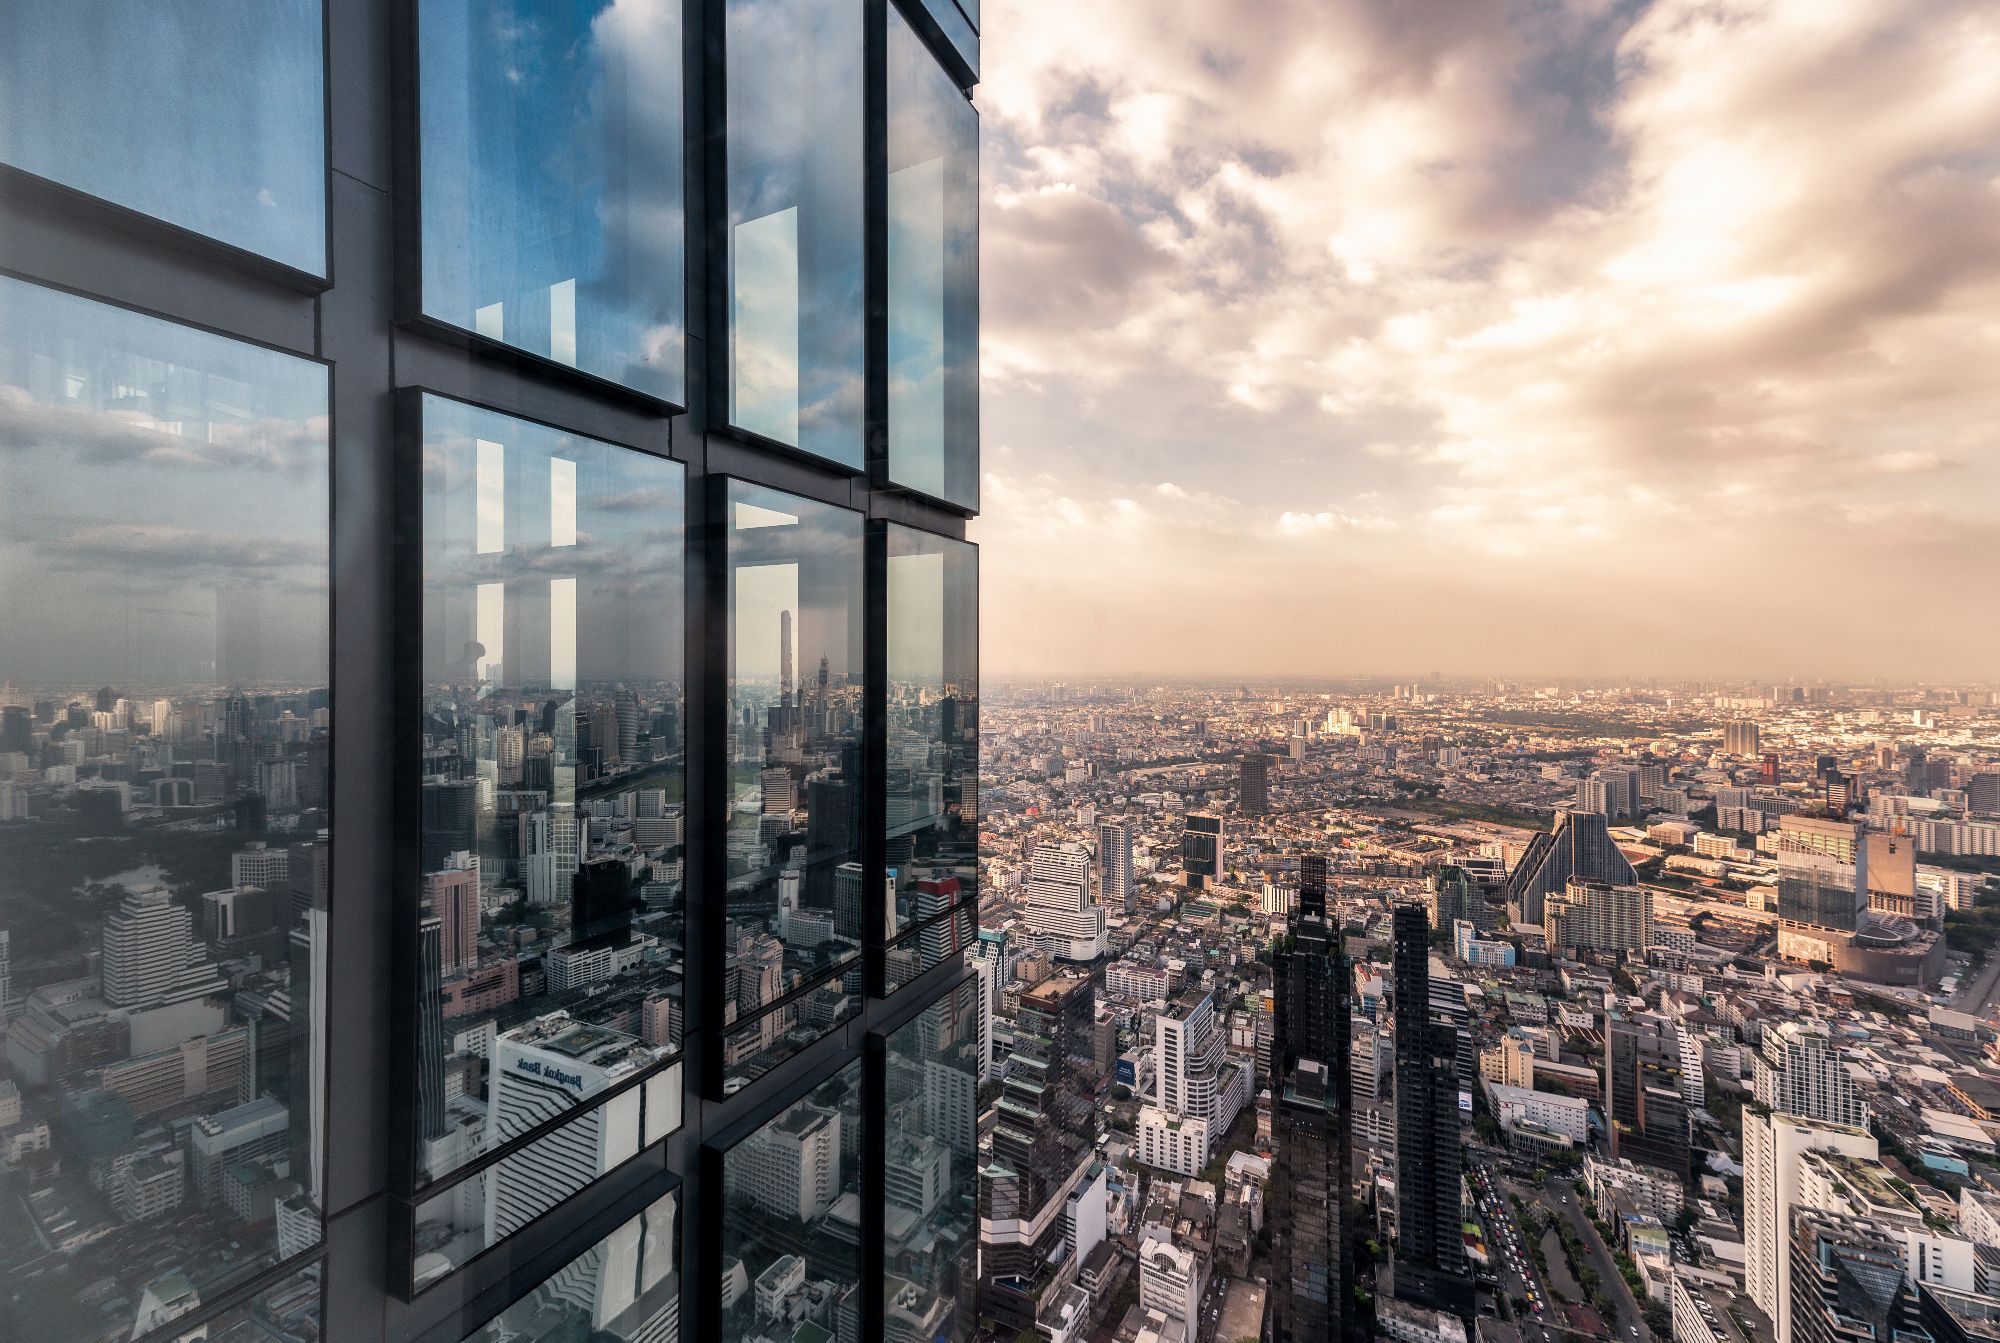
{"x": 490, "y": 719}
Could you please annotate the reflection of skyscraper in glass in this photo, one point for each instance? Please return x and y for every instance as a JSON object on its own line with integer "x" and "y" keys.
{"x": 430, "y": 1028}
{"x": 453, "y": 898}
{"x": 146, "y": 942}
{"x": 544, "y": 1069}
{"x": 785, "y": 658}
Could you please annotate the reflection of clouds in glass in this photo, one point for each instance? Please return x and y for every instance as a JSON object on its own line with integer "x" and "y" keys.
{"x": 764, "y": 326}
{"x": 553, "y": 192}
{"x": 147, "y": 469}
{"x": 215, "y": 125}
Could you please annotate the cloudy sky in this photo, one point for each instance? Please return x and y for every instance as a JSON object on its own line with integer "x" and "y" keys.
{"x": 1556, "y": 336}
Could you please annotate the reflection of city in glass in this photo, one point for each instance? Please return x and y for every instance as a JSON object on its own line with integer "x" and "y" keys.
{"x": 931, "y": 807}
{"x": 164, "y": 737}
{"x": 624, "y": 1289}
{"x": 215, "y": 126}
{"x": 795, "y": 223}
{"x": 553, "y": 830}
{"x": 791, "y": 1222}
{"x": 930, "y": 1172}
{"x": 796, "y": 897}
{"x": 552, "y": 190}
{"x": 933, "y": 284}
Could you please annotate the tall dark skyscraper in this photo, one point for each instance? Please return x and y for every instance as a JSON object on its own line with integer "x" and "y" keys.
{"x": 1429, "y": 1267}
{"x": 1312, "y": 1125}
{"x": 1201, "y": 849}
{"x": 430, "y": 1028}
{"x": 1254, "y": 788}
{"x": 1644, "y": 1109}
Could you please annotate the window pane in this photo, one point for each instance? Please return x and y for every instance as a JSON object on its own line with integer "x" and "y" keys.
{"x": 930, "y": 1176}
{"x": 941, "y": 939}
{"x": 164, "y": 735}
{"x": 624, "y": 1289}
{"x": 791, "y": 1221}
{"x": 932, "y": 804}
{"x": 286, "y": 1313}
{"x": 933, "y": 276}
{"x": 553, "y": 776}
{"x": 795, "y": 224}
{"x": 794, "y": 746}
{"x": 552, "y": 185}
{"x": 215, "y": 124}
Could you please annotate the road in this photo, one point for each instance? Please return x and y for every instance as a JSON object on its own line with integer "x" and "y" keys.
{"x": 1560, "y": 1195}
{"x": 1976, "y": 995}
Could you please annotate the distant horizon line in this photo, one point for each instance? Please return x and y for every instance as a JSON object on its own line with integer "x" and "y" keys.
{"x": 1716, "y": 683}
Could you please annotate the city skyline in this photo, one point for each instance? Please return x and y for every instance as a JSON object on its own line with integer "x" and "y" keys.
{"x": 1407, "y": 340}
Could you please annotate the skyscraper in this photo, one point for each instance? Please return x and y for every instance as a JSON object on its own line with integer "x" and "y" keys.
{"x": 1254, "y": 785}
{"x": 1579, "y": 846}
{"x": 1645, "y": 1108}
{"x": 1429, "y": 1267}
{"x": 1060, "y": 911}
{"x": 1201, "y": 849}
{"x": 1114, "y": 864}
{"x": 1042, "y": 1152}
{"x": 453, "y": 897}
{"x": 1741, "y": 738}
{"x": 1312, "y": 1124}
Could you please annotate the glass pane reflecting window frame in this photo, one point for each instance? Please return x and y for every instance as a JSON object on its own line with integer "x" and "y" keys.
{"x": 795, "y": 284}
{"x": 98, "y": 398}
{"x": 930, "y": 208}
{"x": 634, "y": 336}
{"x": 791, "y": 728}
{"x": 926, "y": 644}
{"x": 230, "y": 217}
{"x": 638, "y": 1107}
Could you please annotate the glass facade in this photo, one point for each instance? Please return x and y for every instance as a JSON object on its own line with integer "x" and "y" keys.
{"x": 795, "y": 191}
{"x": 796, "y": 890}
{"x": 931, "y": 778}
{"x": 930, "y": 1172}
{"x": 553, "y": 794}
{"x": 553, "y": 200}
{"x": 624, "y": 1289}
{"x": 659, "y": 743}
{"x": 791, "y": 1220}
{"x": 933, "y": 284}
{"x": 165, "y": 730}
{"x": 211, "y": 120}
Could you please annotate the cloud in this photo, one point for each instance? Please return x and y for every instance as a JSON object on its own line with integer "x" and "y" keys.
{"x": 118, "y": 437}
{"x": 1573, "y": 296}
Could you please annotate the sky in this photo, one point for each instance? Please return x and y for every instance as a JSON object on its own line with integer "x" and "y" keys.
{"x": 1569, "y": 338}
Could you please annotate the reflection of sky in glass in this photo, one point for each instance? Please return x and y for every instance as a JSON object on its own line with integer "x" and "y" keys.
{"x": 795, "y": 216}
{"x": 916, "y": 618}
{"x": 552, "y": 191}
{"x": 163, "y": 500}
{"x": 933, "y": 282}
{"x": 211, "y": 120}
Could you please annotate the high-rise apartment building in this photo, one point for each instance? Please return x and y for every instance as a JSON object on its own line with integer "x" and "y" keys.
{"x": 1429, "y": 1266}
{"x": 1253, "y": 789}
{"x": 1061, "y": 912}
{"x": 1197, "y": 1092}
{"x": 1114, "y": 864}
{"x": 1597, "y": 916}
{"x": 1312, "y": 1124}
{"x": 1799, "y": 1072}
{"x": 1741, "y": 738}
{"x": 643, "y": 343}
{"x": 1645, "y": 1106}
{"x": 1774, "y": 1146}
{"x": 1580, "y": 845}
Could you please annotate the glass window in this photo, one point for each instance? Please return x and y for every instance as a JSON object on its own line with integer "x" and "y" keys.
{"x": 796, "y": 304}
{"x": 931, "y": 943}
{"x": 164, "y": 736}
{"x": 795, "y": 884}
{"x": 286, "y": 1313}
{"x": 483, "y": 1208}
{"x": 755, "y": 1046}
{"x": 931, "y": 807}
{"x": 930, "y": 1178}
{"x": 791, "y": 1221}
{"x": 553, "y": 783}
{"x": 933, "y": 276}
{"x": 624, "y": 1289}
{"x": 215, "y": 124}
{"x": 553, "y": 208}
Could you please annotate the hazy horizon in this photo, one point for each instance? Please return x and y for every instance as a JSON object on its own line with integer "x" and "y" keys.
{"x": 1326, "y": 337}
